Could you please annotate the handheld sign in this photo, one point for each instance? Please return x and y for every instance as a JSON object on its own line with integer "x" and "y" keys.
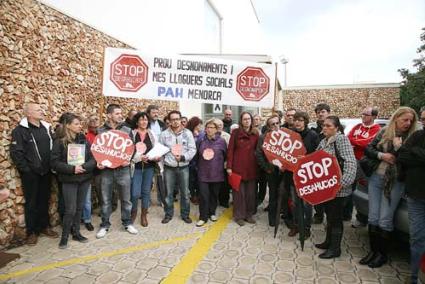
{"x": 112, "y": 148}
{"x": 317, "y": 177}
{"x": 283, "y": 148}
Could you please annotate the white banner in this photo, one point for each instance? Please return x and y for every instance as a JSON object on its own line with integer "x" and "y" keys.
{"x": 129, "y": 73}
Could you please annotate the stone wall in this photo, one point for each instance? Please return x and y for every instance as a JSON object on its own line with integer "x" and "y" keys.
{"x": 345, "y": 101}
{"x": 52, "y": 59}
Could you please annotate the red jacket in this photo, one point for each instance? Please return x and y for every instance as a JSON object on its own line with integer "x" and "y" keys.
{"x": 360, "y": 136}
{"x": 241, "y": 154}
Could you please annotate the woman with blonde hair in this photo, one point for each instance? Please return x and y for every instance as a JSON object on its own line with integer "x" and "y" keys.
{"x": 384, "y": 189}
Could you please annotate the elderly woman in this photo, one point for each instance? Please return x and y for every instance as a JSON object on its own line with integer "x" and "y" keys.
{"x": 241, "y": 160}
{"x": 385, "y": 190}
{"x": 211, "y": 153}
{"x": 337, "y": 144}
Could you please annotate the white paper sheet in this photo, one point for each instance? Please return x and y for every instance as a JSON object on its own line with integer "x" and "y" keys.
{"x": 158, "y": 150}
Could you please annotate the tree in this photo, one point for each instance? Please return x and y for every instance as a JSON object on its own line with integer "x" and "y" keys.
{"x": 412, "y": 91}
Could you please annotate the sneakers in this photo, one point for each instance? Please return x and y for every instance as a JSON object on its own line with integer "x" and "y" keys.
{"x": 101, "y": 233}
{"x": 200, "y": 223}
{"x": 131, "y": 229}
{"x": 357, "y": 224}
{"x": 240, "y": 222}
{"x": 80, "y": 238}
{"x": 213, "y": 218}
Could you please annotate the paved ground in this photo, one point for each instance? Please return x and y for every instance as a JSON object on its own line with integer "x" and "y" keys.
{"x": 221, "y": 252}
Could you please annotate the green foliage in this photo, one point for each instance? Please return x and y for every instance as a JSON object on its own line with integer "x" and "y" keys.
{"x": 412, "y": 92}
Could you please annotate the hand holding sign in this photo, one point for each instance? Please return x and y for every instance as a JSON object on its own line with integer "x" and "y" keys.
{"x": 177, "y": 151}
{"x": 112, "y": 149}
{"x": 317, "y": 177}
{"x": 285, "y": 146}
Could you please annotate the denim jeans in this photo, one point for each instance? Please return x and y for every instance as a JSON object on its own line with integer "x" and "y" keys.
{"x": 74, "y": 195}
{"x": 416, "y": 209}
{"x": 177, "y": 177}
{"x": 120, "y": 178}
{"x": 141, "y": 186}
{"x": 87, "y": 207}
{"x": 381, "y": 209}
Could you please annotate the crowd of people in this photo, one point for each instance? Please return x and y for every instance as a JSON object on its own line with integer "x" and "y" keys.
{"x": 201, "y": 158}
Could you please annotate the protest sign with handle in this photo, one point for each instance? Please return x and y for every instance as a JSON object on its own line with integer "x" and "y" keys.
{"x": 317, "y": 177}
{"x": 112, "y": 149}
{"x": 283, "y": 148}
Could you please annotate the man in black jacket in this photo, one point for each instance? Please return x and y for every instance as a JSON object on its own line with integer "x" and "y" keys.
{"x": 30, "y": 151}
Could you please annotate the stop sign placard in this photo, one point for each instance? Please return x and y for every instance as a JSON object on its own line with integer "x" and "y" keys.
{"x": 129, "y": 73}
{"x": 252, "y": 84}
{"x": 112, "y": 148}
{"x": 283, "y": 148}
{"x": 317, "y": 177}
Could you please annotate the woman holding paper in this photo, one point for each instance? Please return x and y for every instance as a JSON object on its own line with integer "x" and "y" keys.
{"x": 142, "y": 177}
{"x": 211, "y": 153}
{"x": 337, "y": 144}
{"x": 241, "y": 161}
{"x": 72, "y": 160}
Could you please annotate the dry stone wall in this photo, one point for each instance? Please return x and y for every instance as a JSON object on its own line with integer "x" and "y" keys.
{"x": 52, "y": 59}
{"x": 347, "y": 102}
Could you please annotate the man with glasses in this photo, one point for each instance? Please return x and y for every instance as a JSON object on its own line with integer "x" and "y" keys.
{"x": 176, "y": 165}
{"x": 360, "y": 136}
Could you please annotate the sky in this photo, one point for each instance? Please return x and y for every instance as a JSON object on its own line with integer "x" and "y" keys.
{"x": 342, "y": 41}
{"x": 326, "y": 42}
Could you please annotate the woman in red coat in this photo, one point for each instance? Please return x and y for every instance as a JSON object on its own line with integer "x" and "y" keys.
{"x": 241, "y": 160}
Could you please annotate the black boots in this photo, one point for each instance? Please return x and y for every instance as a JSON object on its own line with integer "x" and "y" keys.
{"x": 326, "y": 243}
{"x": 379, "y": 243}
{"x": 373, "y": 232}
{"x": 334, "y": 249}
{"x": 63, "y": 244}
{"x": 80, "y": 238}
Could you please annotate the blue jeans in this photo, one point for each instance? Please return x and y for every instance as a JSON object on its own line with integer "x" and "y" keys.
{"x": 416, "y": 209}
{"x": 141, "y": 185}
{"x": 87, "y": 206}
{"x": 120, "y": 178}
{"x": 381, "y": 209}
{"x": 179, "y": 177}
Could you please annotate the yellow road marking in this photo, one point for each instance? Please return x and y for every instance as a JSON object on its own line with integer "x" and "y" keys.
{"x": 87, "y": 258}
{"x": 184, "y": 269}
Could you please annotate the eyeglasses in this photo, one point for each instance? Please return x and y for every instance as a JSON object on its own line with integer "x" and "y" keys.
{"x": 174, "y": 119}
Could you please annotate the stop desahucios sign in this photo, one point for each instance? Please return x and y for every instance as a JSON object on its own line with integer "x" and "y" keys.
{"x": 112, "y": 148}
{"x": 317, "y": 177}
{"x": 252, "y": 84}
{"x": 129, "y": 72}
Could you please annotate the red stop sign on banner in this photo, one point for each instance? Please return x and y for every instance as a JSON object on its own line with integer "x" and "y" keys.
{"x": 252, "y": 84}
{"x": 283, "y": 148}
{"x": 317, "y": 177}
{"x": 112, "y": 148}
{"x": 129, "y": 73}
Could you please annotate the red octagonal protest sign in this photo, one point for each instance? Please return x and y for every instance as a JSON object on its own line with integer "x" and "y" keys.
{"x": 252, "y": 84}
{"x": 283, "y": 148}
{"x": 317, "y": 177}
{"x": 129, "y": 73}
{"x": 112, "y": 148}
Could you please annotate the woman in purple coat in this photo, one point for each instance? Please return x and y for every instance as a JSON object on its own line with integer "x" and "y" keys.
{"x": 211, "y": 153}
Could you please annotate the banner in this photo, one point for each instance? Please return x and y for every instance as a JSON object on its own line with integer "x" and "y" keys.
{"x": 130, "y": 73}
{"x": 317, "y": 177}
{"x": 112, "y": 148}
{"x": 283, "y": 148}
